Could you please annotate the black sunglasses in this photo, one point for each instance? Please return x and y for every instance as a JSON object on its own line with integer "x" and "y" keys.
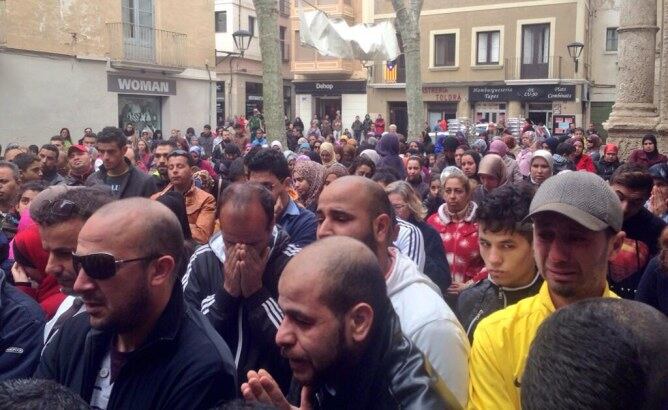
{"x": 102, "y": 265}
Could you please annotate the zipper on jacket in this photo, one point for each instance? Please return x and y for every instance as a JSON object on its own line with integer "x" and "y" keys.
{"x": 240, "y": 338}
{"x": 475, "y": 319}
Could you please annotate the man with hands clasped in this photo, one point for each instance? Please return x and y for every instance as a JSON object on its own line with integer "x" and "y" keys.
{"x": 233, "y": 279}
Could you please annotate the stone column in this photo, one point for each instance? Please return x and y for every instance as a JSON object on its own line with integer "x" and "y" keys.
{"x": 662, "y": 128}
{"x": 634, "y": 113}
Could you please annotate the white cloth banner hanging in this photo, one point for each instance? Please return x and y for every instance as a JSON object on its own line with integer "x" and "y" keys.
{"x": 335, "y": 38}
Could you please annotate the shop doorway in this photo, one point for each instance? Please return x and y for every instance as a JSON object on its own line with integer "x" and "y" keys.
{"x": 540, "y": 113}
{"x": 399, "y": 117}
{"x": 327, "y": 106}
{"x": 436, "y": 112}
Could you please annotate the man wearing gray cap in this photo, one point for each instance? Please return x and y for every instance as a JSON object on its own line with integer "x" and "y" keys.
{"x": 577, "y": 221}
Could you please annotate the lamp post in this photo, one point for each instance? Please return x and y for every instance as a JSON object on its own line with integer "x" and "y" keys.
{"x": 242, "y": 39}
{"x": 574, "y": 50}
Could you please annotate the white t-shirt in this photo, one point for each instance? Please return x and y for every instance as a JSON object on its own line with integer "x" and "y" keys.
{"x": 103, "y": 385}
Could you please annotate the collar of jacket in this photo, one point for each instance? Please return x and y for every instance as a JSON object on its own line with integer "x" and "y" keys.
{"x": 546, "y": 300}
{"x": 103, "y": 170}
{"x": 387, "y": 341}
{"x": 163, "y": 334}
{"x": 3, "y": 281}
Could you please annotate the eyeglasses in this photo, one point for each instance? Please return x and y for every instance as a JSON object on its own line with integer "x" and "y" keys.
{"x": 102, "y": 265}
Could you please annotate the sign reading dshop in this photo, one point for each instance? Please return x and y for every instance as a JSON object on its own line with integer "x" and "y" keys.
{"x": 127, "y": 84}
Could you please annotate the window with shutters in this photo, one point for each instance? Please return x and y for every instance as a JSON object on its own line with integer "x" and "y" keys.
{"x": 488, "y": 45}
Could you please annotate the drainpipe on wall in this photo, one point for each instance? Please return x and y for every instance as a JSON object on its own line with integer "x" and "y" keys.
{"x": 208, "y": 71}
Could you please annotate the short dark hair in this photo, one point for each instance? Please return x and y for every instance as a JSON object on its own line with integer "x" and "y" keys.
{"x": 37, "y": 186}
{"x": 57, "y": 138}
{"x": 599, "y": 353}
{"x": 73, "y": 203}
{"x": 633, "y": 176}
{"x": 565, "y": 149}
{"x": 52, "y": 148}
{"x": 91, "y": 135}
{"x": 415, "y": 158}
{"x": 385, "y": 175}
{"x": 25, "y": 159}
{"x": 184, "y": 154}
{"x": 12, "y": 167}
{"x": 232, "y": 149}
{"x": 243, "y": 193}
{"x": 163, "y": 143}
{"x": 25, "y": 394}
{"x": 113, "y": 135}
{"x": 269, "y": 160}
{"x": 362, "y": 160}
{"x": 504, "y": 209}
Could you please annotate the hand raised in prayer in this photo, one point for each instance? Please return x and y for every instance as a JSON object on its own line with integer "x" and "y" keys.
{"x": 231, "y": 272}
{"x": 261, "y": 387}
{"x": 19, "y": 273}
{"x": 251, "y": 267}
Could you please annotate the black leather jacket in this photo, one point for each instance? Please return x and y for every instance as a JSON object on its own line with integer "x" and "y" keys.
{"x": 486, "y": 297}
{"x": 392, "y": 374}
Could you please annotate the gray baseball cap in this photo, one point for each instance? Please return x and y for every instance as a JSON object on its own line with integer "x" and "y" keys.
{"x": 581, "y": 196}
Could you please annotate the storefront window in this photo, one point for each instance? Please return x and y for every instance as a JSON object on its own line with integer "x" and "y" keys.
{"x": 540, "y": 113}
{"x": 253, "y": 98}
{"x": 436, "y": 112}
{"x": 142, "y": 111}
{"x": 220, "y": 103}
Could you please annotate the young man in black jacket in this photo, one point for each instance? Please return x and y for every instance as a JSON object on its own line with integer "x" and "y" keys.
{"x": 138, "y": 346}
{"x": 505, "y": 246}
{"x": 234, "y": 279}
{"x": 343, "y": 339}
{"x": 116, "y": 171}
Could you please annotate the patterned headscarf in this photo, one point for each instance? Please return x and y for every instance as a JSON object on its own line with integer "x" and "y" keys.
{"x": 337, "y": 169}
{"x": 314, "y": 174}
{"x": 328, "y": 147}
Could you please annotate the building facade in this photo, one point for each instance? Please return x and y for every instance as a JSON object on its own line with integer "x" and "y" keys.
{"x": 325, "y": 86}
{"x": 239, "y": 85}
{"x": 94, "y": 63}
{"x": 485, "y": 60}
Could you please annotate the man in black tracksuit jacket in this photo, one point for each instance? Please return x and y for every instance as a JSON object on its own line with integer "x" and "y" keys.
{"x": 248, "y": 325}
{"x": 182, "y": 365}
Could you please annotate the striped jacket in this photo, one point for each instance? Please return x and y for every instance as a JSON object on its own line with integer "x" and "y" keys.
{"x": 248, "y": 325}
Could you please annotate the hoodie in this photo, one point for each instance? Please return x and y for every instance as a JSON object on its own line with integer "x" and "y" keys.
{"x": 248, "y": 325}
{"x": 430, "y": 324}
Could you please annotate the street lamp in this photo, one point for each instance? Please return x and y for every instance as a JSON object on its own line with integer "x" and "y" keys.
{"x": 242, "y": 39}
{"x": 574, "y": 50}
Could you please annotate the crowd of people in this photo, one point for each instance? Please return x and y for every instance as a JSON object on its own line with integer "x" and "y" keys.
{"x": 349, "y": 268}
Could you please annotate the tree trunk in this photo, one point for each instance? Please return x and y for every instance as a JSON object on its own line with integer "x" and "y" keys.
{"x": 272, "y": 78}
{"x": 408, "y": 24}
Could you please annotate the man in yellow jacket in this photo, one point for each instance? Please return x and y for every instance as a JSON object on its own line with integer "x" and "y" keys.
{"x": 577, "y": 221}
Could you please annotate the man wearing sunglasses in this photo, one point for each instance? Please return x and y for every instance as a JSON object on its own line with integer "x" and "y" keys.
{"x": 138, "y": 345}
{"x": 60, "y": 213}
{"x": 233, "y": 279}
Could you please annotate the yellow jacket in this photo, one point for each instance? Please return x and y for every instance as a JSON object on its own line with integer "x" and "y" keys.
{"x": 500, "y": 348}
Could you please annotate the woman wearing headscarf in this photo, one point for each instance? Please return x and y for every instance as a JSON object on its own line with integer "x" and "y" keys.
{"x": 479, "y": 146}
{"x": 308, "y": 178}
{"x": 334, "y": 172}
{"x": 594, "y": 147}
{"x": 541, "y": 167}
{"x": 492, "y": 173}
{"x": 29, "y": 271}
{"x": 609, "y": 162}
{"x": 327, "y": 154}
{"x": 388, "y": 149}
{"x": 649, "y": 154}
{"x": 551, "y": 144}
{"x": 525, "y": 153}
{"x": 501, "y": 149}
{"x": 197, "y": 155}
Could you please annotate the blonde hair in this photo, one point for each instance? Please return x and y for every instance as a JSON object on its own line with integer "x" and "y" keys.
{"x": 461, "y": 178}
{"x": 408, "y": 194}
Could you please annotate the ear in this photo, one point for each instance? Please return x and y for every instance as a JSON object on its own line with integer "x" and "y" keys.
{"x": 124, "y": 150}
{"x": 383, "y": 229}
{"x": 359, "y": 320}
{"x": 164, "y": 269}
{"x": 615, "y": 244}
{"x": 287, "y": 182}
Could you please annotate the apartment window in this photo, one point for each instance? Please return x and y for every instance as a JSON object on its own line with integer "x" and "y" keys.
{"x": 488, "y": 46}
{"x": 281, "y": 38}
{"x": 444, "y": 49}
{"x": 611, "y": 39}
{"x": 221, "y": 22}
{"x": 284, "y": 7}
{"x": 251, "y": 25}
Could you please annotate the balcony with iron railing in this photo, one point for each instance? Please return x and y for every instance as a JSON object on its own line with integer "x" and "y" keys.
{"x": 550, "y": 68}
{"x": 135, "y": 46}
{"x": 337, "y": 8}
{"x": 382, "y": 74}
